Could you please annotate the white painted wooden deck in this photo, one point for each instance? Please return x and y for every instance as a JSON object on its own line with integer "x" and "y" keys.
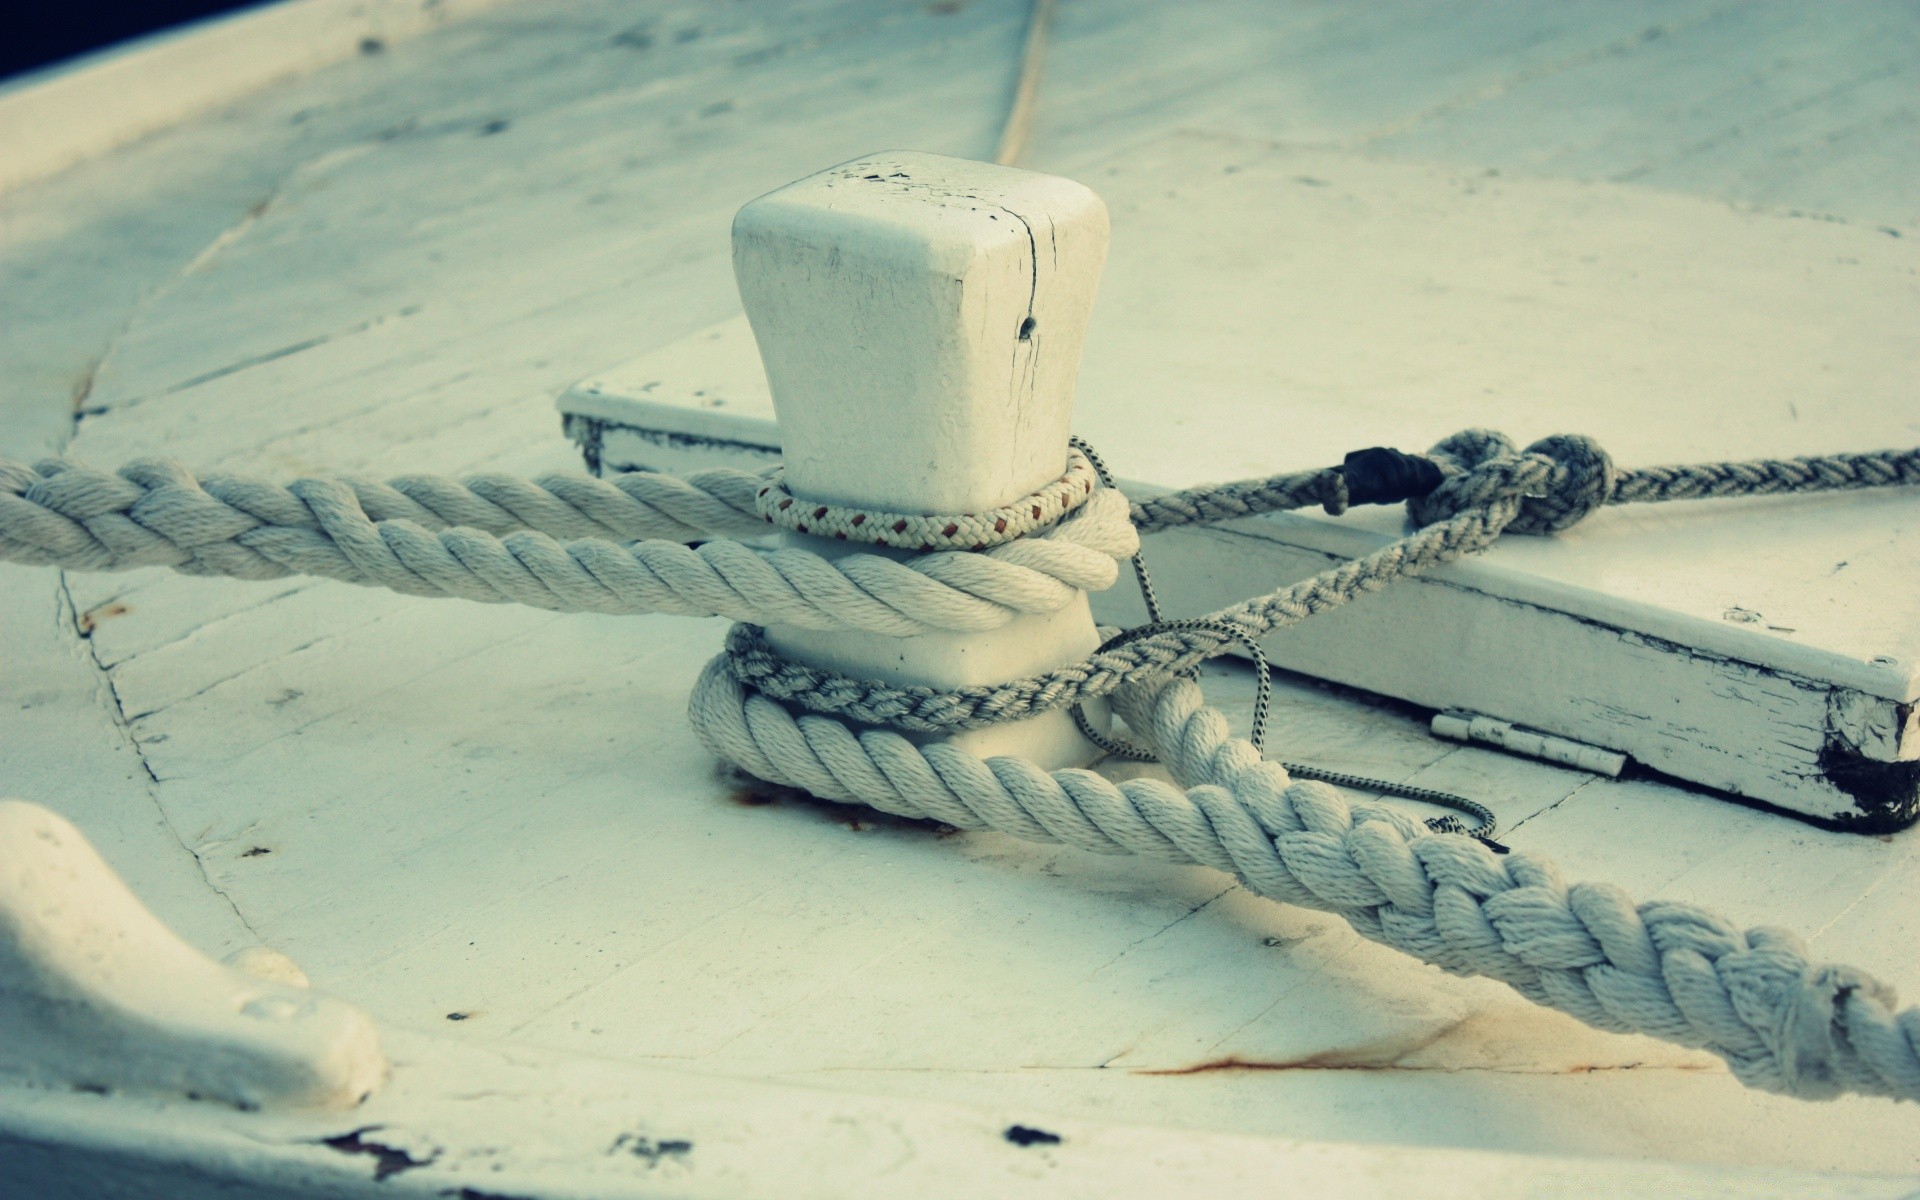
{"x": 1273, "y": 305}
{"x": 492, "y": 828}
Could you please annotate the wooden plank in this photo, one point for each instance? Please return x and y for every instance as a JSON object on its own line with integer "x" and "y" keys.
{"x": 53, "y": 118}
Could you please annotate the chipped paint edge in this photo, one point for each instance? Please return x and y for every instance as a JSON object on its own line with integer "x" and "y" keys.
{"x": 465, "y": 1119}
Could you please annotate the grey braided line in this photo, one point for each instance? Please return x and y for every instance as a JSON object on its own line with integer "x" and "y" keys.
{"x": 1173, "y": 650}
{"x": 1490, "y": 487}
{"x": 159, "y": 514}
{"x": 1782, "y": 1022}
{"x": 1213, "y": 503}
{"x": 1565, "y": 478}
{"x": 1769, "y": 477}
{"x": 1332, "y": 487}
{"x": 924, "y": 532}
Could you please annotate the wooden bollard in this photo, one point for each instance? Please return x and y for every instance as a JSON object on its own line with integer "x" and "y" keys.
{"x": 921, "y": 320}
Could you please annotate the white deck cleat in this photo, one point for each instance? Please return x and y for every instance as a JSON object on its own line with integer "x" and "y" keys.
{"x": 96, "y": 994}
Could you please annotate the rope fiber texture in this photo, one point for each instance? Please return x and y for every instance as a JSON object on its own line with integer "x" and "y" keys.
{"x": 433, "y": 536}
{"x": 928, "y": 531}
{"x": 1782, "y": 1021}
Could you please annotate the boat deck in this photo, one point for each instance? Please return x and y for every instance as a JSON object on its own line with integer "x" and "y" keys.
{"x": 492, "y": 828}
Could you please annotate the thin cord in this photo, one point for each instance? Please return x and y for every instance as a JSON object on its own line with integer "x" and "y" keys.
{"x": 1262, "y": 704}
{"x": 1483, "y": 832}
{"x": 1026, "y": 90}
{"x": 1147, "y": 594}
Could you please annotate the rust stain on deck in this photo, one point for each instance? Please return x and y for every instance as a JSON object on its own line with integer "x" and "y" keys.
{"x": 90, "y": 619}
{"x": 1388, "y": 1053}
{"x": 1478, "y": 1042}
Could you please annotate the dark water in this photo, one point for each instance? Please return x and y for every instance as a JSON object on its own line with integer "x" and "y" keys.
{"x": 37, "y": 33}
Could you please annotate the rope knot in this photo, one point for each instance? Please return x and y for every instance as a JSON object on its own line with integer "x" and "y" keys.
{"x": 1557, "y": 481}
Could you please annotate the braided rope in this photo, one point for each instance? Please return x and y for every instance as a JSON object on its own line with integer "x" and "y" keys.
{"x": 1216, "y": 502}
{"x": 1212, "y": 503}
{"x": 158, "y": 514}
{"x": 1769, "y": 477}
{"x": 1673, "y": 971}
{"x": 1042, "y": 507}
{"x": 1173, "y": 650}
{"x": 1488, "y": 488}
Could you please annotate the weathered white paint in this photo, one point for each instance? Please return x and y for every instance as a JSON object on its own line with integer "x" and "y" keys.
{"x": 920, "y": 318}
{"x": 445, "y": 809}
{"x": 1232, "y": 347}
{"x": 97, "y": 994}
{"x": 478, "y": 1121}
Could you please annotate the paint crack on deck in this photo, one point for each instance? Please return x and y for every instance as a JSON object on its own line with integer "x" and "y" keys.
{"x": 1892, "y": 871}
{"x": 1319, "y": 969}
{"x": 116, "y": 711}
{"x": 1185, "y": 916}
{"x": 1738, "y": 130}
{"x": 199, "y": 631}
{"x": 201, "y": 260}
{"x": 1581, "y": 787}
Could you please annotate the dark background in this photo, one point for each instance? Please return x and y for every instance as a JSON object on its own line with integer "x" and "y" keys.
{"x": 35, "y": 33}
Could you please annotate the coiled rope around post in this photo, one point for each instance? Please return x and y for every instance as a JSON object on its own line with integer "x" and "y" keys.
{"x": 1781, "y": 1021}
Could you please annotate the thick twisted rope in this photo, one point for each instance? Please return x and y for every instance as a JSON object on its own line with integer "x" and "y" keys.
{"x": 428, "y": 535}
{"x": 158, "y": 514}
{"x": 1673, "y": 971}
{"x": 1782, "y": 1022}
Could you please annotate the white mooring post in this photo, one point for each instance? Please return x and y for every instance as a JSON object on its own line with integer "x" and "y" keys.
{"x": 921, "y": 320}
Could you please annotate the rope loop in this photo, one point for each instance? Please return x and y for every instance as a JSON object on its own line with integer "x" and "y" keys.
{"x": 1782, "y": 1021}
{"x": 1037, "y": 510}
{"x": 1557, "y": 480}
